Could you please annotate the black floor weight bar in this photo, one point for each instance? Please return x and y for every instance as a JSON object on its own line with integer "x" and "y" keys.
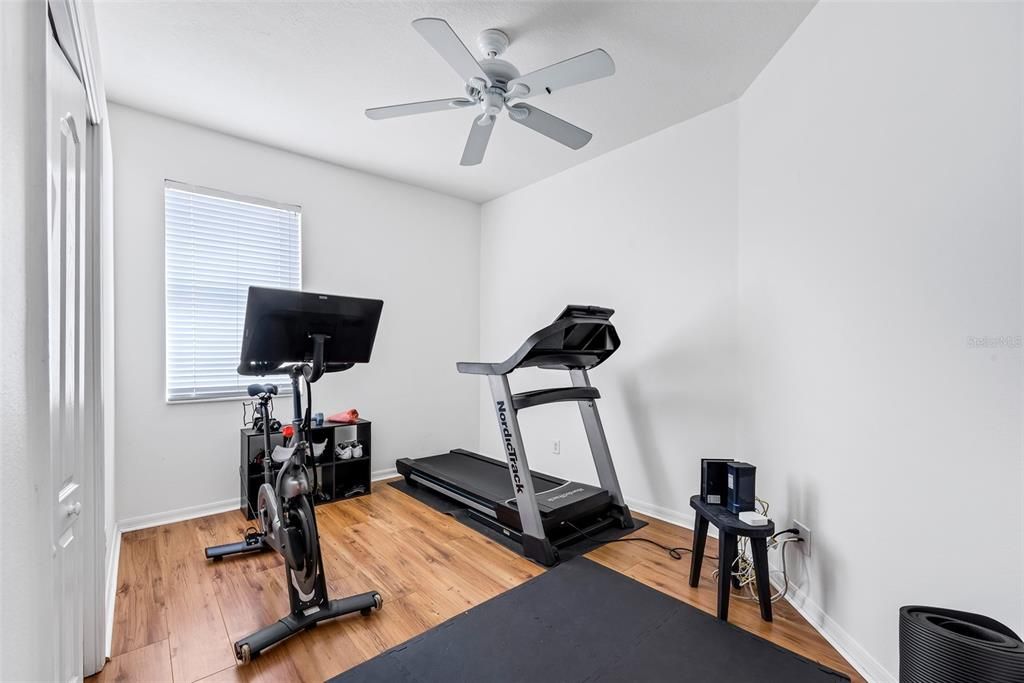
{"x": 940, "y": 645}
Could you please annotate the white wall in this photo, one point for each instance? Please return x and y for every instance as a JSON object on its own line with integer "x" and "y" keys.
{"x": 362, "y": 235}
{"x": 649, "y": 230}
{"x": 880, "y": 229}
{"x": 873, "y": 226}
{"x": 27, "y": 610}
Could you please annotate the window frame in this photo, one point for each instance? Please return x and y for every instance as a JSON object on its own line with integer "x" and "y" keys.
{"x": 284, "y": 389}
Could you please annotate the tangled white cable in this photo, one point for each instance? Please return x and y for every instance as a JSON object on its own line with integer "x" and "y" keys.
{"x": 743, "y": 566}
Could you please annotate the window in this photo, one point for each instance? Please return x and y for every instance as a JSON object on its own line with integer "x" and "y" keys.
{"x": 216, "y": 245}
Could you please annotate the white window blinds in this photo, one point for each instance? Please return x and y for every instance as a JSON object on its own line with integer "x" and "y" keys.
{"x": 216, "y": 245}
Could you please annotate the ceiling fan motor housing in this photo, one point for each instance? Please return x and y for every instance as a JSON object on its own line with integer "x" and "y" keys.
{"x": 499, "y": 71}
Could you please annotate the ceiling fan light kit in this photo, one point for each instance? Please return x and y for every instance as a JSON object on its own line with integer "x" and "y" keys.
{"x": 492, "y": 83}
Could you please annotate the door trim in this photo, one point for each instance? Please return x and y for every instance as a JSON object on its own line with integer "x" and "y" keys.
{"x": 75, "y": 39}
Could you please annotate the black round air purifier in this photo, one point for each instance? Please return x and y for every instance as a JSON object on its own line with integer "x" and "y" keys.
{"x": 946, "y": 646}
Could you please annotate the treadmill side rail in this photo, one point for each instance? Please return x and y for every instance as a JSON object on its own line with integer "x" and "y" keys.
{"x": 535, "y": 542}
{"x": 599, "y": 447}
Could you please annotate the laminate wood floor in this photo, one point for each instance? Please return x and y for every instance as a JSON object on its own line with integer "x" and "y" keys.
{"x": 177, "y": 615}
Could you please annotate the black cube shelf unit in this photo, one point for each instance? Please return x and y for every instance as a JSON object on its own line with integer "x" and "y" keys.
{"x": 337, "y": 479}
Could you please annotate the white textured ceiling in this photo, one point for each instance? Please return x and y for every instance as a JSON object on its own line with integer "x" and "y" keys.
{"x": 298, "y": 75}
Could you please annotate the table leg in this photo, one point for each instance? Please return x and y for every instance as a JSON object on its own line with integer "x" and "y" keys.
{"x": 726, "y": 555}
{"x": 700, "y": 538}
{"x": 734, "y": 553}
{"x": 759, "y": 547}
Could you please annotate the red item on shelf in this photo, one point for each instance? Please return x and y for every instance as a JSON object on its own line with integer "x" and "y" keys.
{"x": 350, "y": 415}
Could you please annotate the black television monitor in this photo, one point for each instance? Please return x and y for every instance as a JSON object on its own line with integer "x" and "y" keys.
{"x": 281, "y": 324}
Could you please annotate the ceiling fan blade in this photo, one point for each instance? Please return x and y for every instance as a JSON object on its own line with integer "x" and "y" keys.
{"x": 394, "y": 110}
{"x": 551, "y": 126}
{"x": 476, "y": 144}
{"x": 573, "y": 71}
{"x": 442, "y": 38}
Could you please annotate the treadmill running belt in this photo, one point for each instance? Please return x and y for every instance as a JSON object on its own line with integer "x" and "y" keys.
{"x": 480, "y": 475}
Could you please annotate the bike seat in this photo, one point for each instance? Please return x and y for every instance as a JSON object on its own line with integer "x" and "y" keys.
{"x": 257, "y": 389}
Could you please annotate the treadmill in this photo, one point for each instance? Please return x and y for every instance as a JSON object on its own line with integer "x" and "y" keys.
{"x": 537, "y": 510}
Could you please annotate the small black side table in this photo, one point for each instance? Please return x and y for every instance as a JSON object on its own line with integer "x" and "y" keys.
{"x": 729, "y": 528}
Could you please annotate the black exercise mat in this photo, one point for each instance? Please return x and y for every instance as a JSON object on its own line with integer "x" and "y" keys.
{"x": 450, "y": 507}
{"x": 584, "y": 622}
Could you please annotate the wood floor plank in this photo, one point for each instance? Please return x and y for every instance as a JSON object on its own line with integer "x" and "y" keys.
{"x": 426, "y": 565}
{"x": 139, "y": 614}
{"x": 150, "y": 663}
{"x": 365, "y": 547}
{"x": 196, "y": 633}
{"x": 236, "y": 674}
{"x": 248, "y": 600}
{"x": 403, "y": 619}
{"x": 319, "y": 653}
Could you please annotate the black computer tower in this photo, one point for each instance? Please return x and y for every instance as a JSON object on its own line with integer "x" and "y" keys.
{"x": 713, "y": 483}
{"x": 740, "y": 483}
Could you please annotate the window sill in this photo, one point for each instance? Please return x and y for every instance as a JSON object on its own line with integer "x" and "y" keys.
{"x": 220, "y": 399}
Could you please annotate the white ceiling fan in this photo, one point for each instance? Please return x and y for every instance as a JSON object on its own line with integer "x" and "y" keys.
{"x": 493, "y": 83}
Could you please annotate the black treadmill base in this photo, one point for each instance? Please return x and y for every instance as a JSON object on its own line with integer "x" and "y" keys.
{"x": 510, "y": 539}
{"x": 483, "y": 482}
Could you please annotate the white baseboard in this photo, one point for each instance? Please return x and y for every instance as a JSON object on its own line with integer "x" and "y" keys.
{"x": 386, "y": 473}
{"x": 845, "y": 644}
{"x": 663, "y": 513}
{"x": 683, "y": 519}
{"x": 113, "y": 562}
{"x": 179, "y": 515}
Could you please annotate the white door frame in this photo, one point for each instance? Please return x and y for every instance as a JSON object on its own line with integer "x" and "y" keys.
{"x": 75, "y": 28}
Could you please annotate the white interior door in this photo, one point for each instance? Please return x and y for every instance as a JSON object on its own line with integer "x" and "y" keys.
{"x": 66, "y": 247}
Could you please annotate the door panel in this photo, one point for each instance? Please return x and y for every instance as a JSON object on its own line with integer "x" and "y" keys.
{"x": 66, "y": 122}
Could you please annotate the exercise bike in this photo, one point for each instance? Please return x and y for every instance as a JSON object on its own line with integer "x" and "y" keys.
{"x": 326, "y": 334}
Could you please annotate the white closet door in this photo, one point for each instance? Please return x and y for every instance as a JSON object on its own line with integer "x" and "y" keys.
{"x": 66, "y": 246}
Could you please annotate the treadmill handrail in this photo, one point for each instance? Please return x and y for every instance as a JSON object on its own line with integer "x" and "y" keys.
{"x": 561, "y": 359}
{"x": 540, "y": 397}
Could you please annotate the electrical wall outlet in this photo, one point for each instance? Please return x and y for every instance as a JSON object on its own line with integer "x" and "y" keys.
{"x": 805, "y": 534}
{"x": 556, "y": 447}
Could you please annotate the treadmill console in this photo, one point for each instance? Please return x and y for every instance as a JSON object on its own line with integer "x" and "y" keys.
{"x": 574, "y": 311}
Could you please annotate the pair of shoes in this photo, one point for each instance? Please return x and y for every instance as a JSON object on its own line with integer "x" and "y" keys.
{"x": 350, "y": 450}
